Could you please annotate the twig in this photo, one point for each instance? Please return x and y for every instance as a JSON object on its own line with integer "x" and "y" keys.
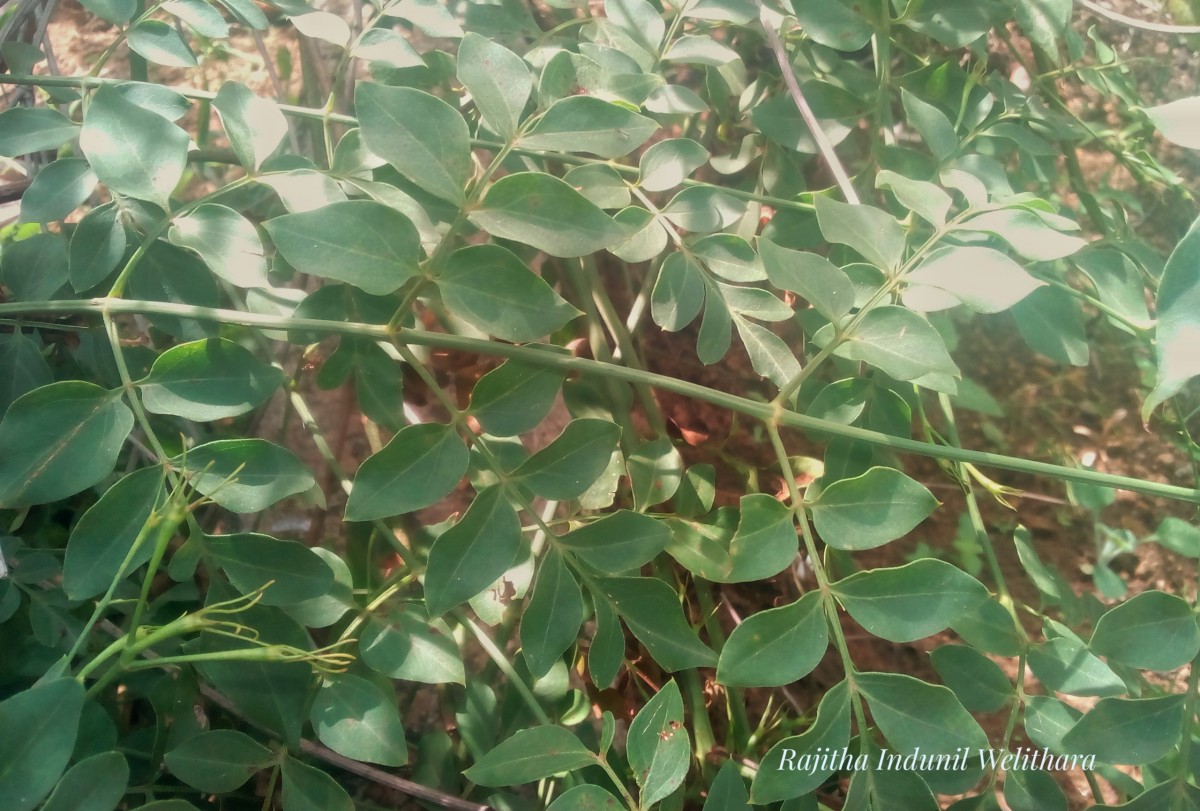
{"x": 819, "y": 136}
{"x": 326, "y": 754}
{"x": 1133, "y": 22}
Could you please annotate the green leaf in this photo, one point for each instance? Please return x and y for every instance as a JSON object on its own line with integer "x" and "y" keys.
{"x": 1033, "y": 790}
{"x": 833, "y": 25}
{"x": 497, "y": 79}
{"x": 1029, "y": 235}
{"x": 704, "y": 209}
{"x": 133, "y": 152}
{"x": 37, "y": 733}
{"x": 1178, "y": 307}
{"x": 96, "y": 783}
{"x": 792, "y": 767}
{"x": 386, "y": 47}
{"x": 531, "y": 754}
{"x": 97, "y": 247}
{"x": 171, "y": 274}
{"x": 909, "y": 602}
{"x": 730, "y": 257}
{"x": 601, "y": 184}
{"x": 1047, "y": 720}
{"x": 515, "y": 397}
{"x": 870, "y": 231}
{"x": 618, "y": 542}
{"x": 697, "y": 50}
{"x": 33, "y": 129}
{"x": 825, "y": 286}
{"x": 403, "y": 643}
{"x": 545, "y": 212}
{"x": 422, "y": 136}
{"x": 927, "y": 200}
{"x": 106, "y": 533}
{"x": 1128, "y": 731}
{"x": 976, "y": 680}
{"x": 57, "y": 190}
{"x": 933, "y": 125}
{"x": 490, "y": 288}
{"x": 355, "y": 718}
{"x": 716, "y": 327}
{"x": 765, "y": 542}
{"x": 586, "y": 797}
{"x": 159, "y": 42}
{"x": 678, "y": 292}
{"x": 323, "y": 25}
{"x": 916, "y": 716}
{"x": 780, "y": 121}
{"x": 367, "y": 244}
{"x": 566, "y": 467}
{"x": 208, "y": 380}
{"x": 640, "y": 20}
{"x": 1044, "y": 22}
{"x": 308, "y": 789}
{"x": 226, "y": 241}
{"x": 666, "y": 164}
{"x": 607, "y": 653}
{"x": 24, "y": 367}
{"x": 251, "y": 561}
{"x": 900, "y": 343}
{"x": 1178, "y": 121}
{"x": 646, "y": 236}
{"x": 870, "y": 510}
{"x": 769, "y": 355}
{"x": 985, "y": 280}
{"x": 951, "y": 22}
{"x": 421, "y": 464}
{"x": 218, "y": 761}
{"x": 655, "y": 470}
{"x": 202, "y": 18}
{"x": 58, "y": 440}
{"x": 652, "y": 612}
{"x": 658, "y": 745}
{"x": 1153, "y": 630}
{"x": 1179, "y": 536}
{"x": 1050, "y": 321}
{"x": 728, "y": 791}
{"x": 1064, "y": 665}
{"x": 431, "y": 16}
{"x": 245, "y": 475}
{"x": 114, "y": 11}
{"x": 592, "y": 125}
{"x": 35, "y": 268}
{"x": 777, "y": 646}
{"x": 1118, "y": 282}
{"x": 472, "y": 554}
{"x": 255, "y": 126}
{"x": 552, "y": 618}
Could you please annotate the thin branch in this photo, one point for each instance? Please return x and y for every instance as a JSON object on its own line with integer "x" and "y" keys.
{"x": 818, "y": 133}
{"x": 771, "y": 414}
{"x": 326, "y": 754}
{"x": 1133, "y": 22}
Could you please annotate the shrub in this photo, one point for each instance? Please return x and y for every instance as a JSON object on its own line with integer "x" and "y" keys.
{"x": 511, "y": 236}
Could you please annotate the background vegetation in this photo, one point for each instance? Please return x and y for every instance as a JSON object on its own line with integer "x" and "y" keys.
{"x": 513, "y": 404}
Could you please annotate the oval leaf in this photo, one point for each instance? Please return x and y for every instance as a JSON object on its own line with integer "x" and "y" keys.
{"x": 909, "y": 602}
{"x": 208, "y": 380}
{"x": 870, "y": 510}
{"x": 777, "y": 646}
{"x": 531, "y": 754}
{"x": 421, "y": 464}
{"x": 58, "y": 440}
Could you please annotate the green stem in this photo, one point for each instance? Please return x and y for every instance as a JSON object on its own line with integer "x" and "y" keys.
{"x": 742, "y": 405}
{"x": 828, "y": 602}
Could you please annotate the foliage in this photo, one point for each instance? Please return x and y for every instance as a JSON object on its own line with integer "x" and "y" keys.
{"x": 830, "y": 192}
